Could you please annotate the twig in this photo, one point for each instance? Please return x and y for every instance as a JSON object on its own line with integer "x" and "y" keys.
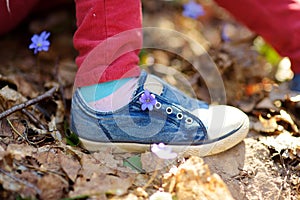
{"x": 30, "y": 102}
{"x": 153, "y": 175}
{"x": 21, "y": 181}
{"x": 15, "y": 130}
{"x": 33, "y": 119}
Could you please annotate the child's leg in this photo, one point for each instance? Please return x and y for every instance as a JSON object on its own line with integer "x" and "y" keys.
{"x": 99, "y": 21}
{"x": 108, "y": 39}
{"x": 116, "y": 105}
{"x": 277, "y": 21}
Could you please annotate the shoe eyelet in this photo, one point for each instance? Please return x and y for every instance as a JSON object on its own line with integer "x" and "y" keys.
{"x": 179, "y": 115}
{"x": 169, "y": 110}
{"x": 157, "y": 105}
{"x": 189, "y": 120}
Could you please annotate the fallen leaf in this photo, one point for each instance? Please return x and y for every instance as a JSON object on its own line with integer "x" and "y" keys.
{"x": 102, "y": 184}
{"x": 24, "y": 87}
{"x": 10, "y": 97}
{"x": 275, "y": 124}
{"x": 49, "y": 160}
{"x": 193, "y": 180}
{"x": 53, "y": 129}
{"x": 20, "y": 151}
{"x": 107, "y": 158}
{"x": 90, "y": 166}
{"x": 52, "y": 187}
{"x": 284, "y": 142}
{"x": 151, "y": 162}
{"x": 265, "y": 125}
{"x": 70, "y": 166}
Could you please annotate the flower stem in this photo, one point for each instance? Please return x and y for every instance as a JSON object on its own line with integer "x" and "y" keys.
{"x": 153, "y": 175}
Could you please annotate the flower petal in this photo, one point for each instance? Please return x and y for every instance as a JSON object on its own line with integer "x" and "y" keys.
{"x": 150, "y": 106}
{"x": 144, "y": 106}
{"x": 34, "y": 38}
{"x": 147, "y": 93}
{"x": 32, "y": 46}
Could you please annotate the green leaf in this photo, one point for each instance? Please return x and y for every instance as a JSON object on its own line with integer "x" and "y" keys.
{"x": 134, "y": 163}
{"x": 77, "y": 197}
{"x": 71, "y": 138}
{"x": 267, "y": 51}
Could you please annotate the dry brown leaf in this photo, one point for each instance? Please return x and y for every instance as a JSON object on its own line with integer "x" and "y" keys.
{"x": 60, "y": 112}
{"x": 20, "y": 151}
{"x": 49, "y": 160}
{"x": 276, "y": 124}
{"x": 265, "y": 125}
{"x": 52, "y": 187}
{"x": 284, "y": 142}
{"x": 70, "y": 166}
{"x": 9, "y": 184}
{"x": 53, "y": 129}
{"x": 10, "y": 97}
{"x": 151, "y": 162}
{"x": 24, "y": 87}
{"x": 28, "y": 188}
{"x": 106, "y": 158}
{"x": 101, "y": 184}
{"x": 5, "y": 129}
{"x": 90, "y": 166}
{"x": 193, "y": 180}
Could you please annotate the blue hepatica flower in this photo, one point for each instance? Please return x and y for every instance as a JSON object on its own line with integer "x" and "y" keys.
{"x": 192, "y": 10}
{"x": 224, "y": 35}
{"x": 163, "y": 152}
{"x": 148, "y": 100}
{"x": 40, "y": 42}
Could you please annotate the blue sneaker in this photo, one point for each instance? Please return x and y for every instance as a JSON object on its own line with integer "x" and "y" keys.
{"x": 159, "y": 113}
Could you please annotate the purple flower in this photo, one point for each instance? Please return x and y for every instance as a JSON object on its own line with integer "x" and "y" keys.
{"x": 163, "y": 152}
{"x": 148, "y": 100}
{"x": 192, "y": 10}
{"x": 40, "y": 42}
{"x": 224, "y": 35}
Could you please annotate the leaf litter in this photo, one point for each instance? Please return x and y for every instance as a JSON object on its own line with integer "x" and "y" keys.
{"x": 36, "y": 161}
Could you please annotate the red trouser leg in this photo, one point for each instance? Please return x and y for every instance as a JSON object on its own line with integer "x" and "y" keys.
{"x": 108, "y": 40}
{"x": 277, "y": 21}
{"x": 12, "y": 12}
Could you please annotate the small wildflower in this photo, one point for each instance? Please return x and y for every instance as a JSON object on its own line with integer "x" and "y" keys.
{"x": 192, "y": 10}
{"x": 161, "y": 196}
{"x": 40, "y": 42}
{"x": 163, "y": 152}
{"x": 148, "y": 100}
{"x": 224, "y": 33}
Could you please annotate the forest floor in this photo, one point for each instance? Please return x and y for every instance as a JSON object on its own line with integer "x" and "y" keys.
{"x": 40, "y": 157}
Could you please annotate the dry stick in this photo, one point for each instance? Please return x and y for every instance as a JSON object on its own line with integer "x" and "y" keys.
{"x": 30, "y": 102}
{"x": 23, "y": 182}
{"x": 33, "y": 119}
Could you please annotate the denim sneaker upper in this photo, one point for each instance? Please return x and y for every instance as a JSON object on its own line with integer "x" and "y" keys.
{"x": 170, "y": 121}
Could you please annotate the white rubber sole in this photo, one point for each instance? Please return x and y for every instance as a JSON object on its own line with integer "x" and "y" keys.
{"x": 195, "y": 150}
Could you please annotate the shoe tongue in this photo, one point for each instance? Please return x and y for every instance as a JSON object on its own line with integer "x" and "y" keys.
{"x": 153, "y": 85}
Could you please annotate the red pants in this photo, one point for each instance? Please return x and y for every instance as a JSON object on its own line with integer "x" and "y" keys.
{"x": 277, "y": 21}
{"x": 106, "y": 41}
